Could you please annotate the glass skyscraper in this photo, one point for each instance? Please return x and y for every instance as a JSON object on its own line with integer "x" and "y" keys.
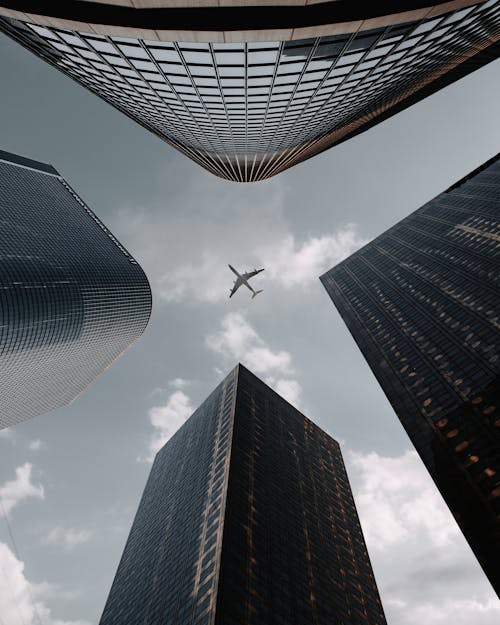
{"x": 422, "y": 302}
{"x": 247, "y": 91}
{"x": 72, "y": 299}
{"x": 247, "y": 518}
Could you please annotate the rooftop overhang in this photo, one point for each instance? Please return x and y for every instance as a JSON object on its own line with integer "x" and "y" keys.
{"x": 224, "y": 20}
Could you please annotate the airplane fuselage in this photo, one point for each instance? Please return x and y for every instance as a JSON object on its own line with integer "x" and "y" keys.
{"x": 243, "y": 279}
{"x": 240, "y": 279}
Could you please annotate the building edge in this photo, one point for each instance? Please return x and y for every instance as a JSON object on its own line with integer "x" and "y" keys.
{"x": 225, "y": 21}
{"x": 324, "y": 277}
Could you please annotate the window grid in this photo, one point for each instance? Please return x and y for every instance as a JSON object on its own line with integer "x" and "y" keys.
{"x": 72, "y": 299}
{"x": 421, "y": 301}
{"x": 249, "y": 110}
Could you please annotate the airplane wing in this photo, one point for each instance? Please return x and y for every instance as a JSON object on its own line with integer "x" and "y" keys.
{"x": 251, "y": 274}
{"x": 236, "y": 286}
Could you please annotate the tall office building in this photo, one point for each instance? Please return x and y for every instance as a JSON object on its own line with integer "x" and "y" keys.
{"x": 422, "y": 303}
{"x": 248, "y": 89}
{"x": 247, "y": 519}
{"x": 72, "y": 299}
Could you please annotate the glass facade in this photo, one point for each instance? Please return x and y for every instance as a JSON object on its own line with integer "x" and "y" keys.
{"x": 72, "y": 299}
{"x": 169, "y": 570}
{"x": 422, "y": 302}
{"x": 293, "y": 549}
{"x": 247, "y": 111}
{"x": 247, "y": 518}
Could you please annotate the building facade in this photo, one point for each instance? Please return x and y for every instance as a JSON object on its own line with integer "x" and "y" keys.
{"x": 422, "y": 303}
{"x": 72, "y": 299}
{"x": 247, "y": 518}
{"x": 249, "y": 89}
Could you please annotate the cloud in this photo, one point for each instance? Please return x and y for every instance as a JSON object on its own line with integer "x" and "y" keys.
{"x": 456, "y": 611}
{"x": 402, "y": 512}
{"x": 220, "y": 222}
{"x": 399, "y": 499}
{"x": 36, "y": 445}
{"x": 22, "y": 602}
{"x": 168, "y": 418}
{"x": 287, "y": 263}
{"x": 67, "y": 538}
{"x": 292, "y": 265}
{"x": 288, "y": 389}
{"x": 7, "y": 433}
{"x": 179, "y": 383}
{"x": 205, "y": 281}
{"x": 245, "y": 225}
{"x": 238, "y": 341}
{"x": 14, "y": 491}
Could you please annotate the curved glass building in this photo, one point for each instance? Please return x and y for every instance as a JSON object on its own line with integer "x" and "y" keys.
{"x": 249, "y": 88}
{"x": 72, "y": 299}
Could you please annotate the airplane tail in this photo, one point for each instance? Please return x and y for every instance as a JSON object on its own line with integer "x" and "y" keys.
{"x": 256, "y": 293}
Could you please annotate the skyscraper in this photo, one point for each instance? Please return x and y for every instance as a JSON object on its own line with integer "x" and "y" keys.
{"x": 72, "y": 299}
{"x": 247, "y": 519}
{"x": 248, "y": 89}
{"x": 422, "y": 303}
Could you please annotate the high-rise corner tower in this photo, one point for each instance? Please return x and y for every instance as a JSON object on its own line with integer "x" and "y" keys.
{"x": 247, "y": 518}
{"x": 248, "y": 89}
{"x": 422, "y": 302}
{"x": 72, "y": 299}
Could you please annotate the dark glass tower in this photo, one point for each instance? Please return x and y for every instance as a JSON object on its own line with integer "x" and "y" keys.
{"x": 422, "y": 302}
{"x": 247, "y": 91}
{"x": 72, "y": 299}
{"x": 247, "y": 519}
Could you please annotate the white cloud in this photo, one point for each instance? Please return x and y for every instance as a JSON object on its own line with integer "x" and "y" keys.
{"x": 35, "y": 445}
{"x": 179, "y": 383}
{"x": 245, "y": 225}
{"x": 168, "y": 418}
{"x": 7, "y": 433}
{"x": 286, "y": 262}
{"x": 238, "y": 341}
{"x": 288, "y": 389}
{"x": 22, "y": 602}
{"x": 436, "y": 580}
{"x": 296, "y": 265}
{"x": 236, "y": 217}
{"x": 205, "y": 281}
{"x": 397, "y": 499}
{"x": 456, "y": 611}
{"x": 67, "y": 538}
{"x": 14, "y": 491}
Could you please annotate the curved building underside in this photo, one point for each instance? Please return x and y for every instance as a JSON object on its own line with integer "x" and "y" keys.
{"x": 249, "y": 89}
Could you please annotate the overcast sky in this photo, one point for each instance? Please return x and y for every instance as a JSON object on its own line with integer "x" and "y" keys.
{"x": 71, "y": 479}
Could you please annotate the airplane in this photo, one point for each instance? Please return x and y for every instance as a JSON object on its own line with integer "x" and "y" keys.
{"x": 243, "y": 279}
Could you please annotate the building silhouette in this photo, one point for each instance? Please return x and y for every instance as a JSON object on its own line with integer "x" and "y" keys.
{"x": 72, "y": 299}
{"x": 248, "y": 91}
{"x": 247, "y": 518}
{"x": 422, "y": 303}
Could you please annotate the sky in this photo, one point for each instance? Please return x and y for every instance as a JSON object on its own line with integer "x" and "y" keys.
{"x": 70, "y": 480}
